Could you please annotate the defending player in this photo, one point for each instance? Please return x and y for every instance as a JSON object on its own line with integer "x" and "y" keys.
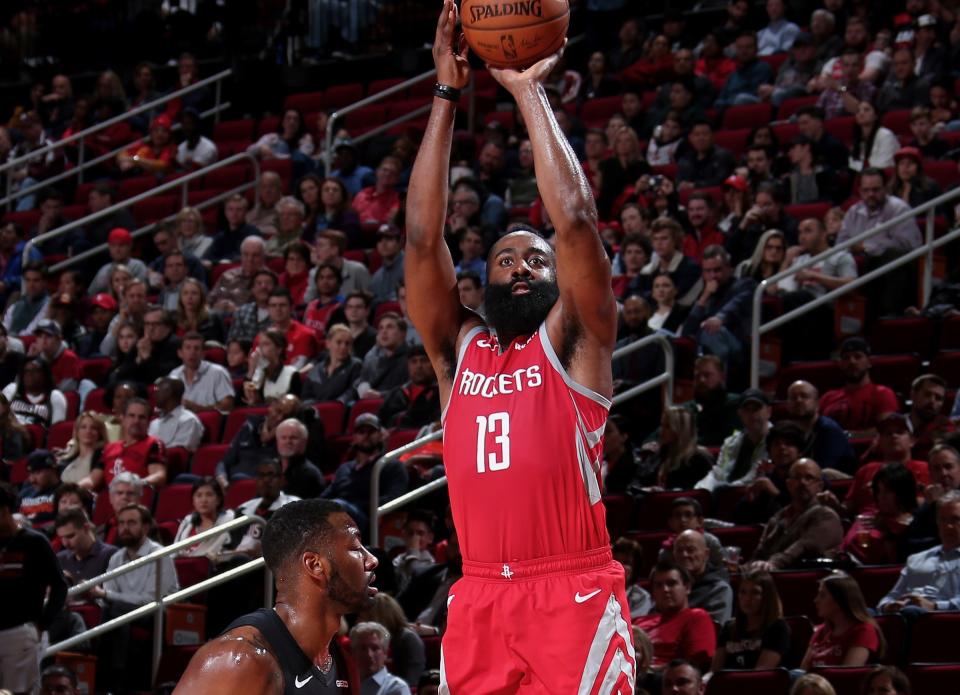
{"x": 541, "y": 608}
{"x": 322, "y": 572}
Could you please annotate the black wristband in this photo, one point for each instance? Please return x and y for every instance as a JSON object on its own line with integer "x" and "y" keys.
{"x": 445, "y": 91}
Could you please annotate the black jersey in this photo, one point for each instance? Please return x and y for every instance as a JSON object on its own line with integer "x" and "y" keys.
{"x": 300, "y": 675}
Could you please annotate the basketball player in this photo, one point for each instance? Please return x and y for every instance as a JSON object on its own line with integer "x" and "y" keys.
{"x": 541, "y": 607}
{"x": 322, "y": 572}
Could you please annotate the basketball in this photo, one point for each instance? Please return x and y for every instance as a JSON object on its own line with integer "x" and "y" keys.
{"x": 514, "y": 33}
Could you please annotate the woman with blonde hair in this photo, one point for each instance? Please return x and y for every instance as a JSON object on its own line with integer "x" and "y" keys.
{"x": 335, "y": 376}
{"x": 767, "y": 258}
{"x": 189, "y": 226}
{"x": 406, "y": 647}
{"x": 117, "y": 281}
{"x": 682, "y": 462}
{"x": 621, "y": 170}
{"x": 644, "y": 651}
{"x": 194, "y": 315}
{"x": 82, "y": 455}
{"x": 849, "y": 635}
{"x": 812, "y": 684}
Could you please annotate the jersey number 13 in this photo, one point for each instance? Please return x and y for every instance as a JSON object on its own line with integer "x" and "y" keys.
{"x": 498, "y": 456}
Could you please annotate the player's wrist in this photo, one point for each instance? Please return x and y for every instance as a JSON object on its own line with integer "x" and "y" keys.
{"x": 447, "y": 92}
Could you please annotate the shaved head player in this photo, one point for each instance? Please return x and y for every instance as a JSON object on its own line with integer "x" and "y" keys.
{"x": 322, "y": 572}
{"x": 541, "y": 607}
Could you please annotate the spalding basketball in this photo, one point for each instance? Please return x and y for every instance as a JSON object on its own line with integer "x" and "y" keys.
{"x": 514, "y": 33}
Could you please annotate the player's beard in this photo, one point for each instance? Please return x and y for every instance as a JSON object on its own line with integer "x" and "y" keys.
{"x": 353, "y": 599}
{"x": 512, "y": 314}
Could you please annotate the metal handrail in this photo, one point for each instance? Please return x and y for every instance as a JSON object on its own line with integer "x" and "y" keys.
{"x": 156, "y": 607}
{"x": 925, "y": 249}
{"x": 180, "y": 182}
{"x": 376, "y": 510}
{"x": 83, "y": 134}
{"x": 379, "y": 96}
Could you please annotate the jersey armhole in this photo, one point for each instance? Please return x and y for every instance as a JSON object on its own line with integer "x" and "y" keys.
{"x": 464, "y": 344}
{"x": 554, "y": 360}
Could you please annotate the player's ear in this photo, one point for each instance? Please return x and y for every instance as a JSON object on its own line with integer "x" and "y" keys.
{"x": 316, "y": 565}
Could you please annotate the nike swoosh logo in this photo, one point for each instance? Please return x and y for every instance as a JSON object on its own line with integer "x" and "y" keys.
{"x": 580, "y": 599}
{"x": 297, "y": 682}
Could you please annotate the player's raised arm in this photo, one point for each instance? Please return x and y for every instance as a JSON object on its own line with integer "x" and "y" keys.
{"x": 433, "y": 299}
{"x": 583, "y": 270}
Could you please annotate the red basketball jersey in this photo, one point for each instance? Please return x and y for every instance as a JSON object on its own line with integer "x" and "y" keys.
{"x": 522, "y": 445}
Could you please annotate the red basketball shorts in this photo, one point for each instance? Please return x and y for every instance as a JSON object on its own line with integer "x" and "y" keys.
{"x": 551, "y": 626}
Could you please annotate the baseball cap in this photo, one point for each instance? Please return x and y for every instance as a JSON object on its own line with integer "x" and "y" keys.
{"x": 926, "y": 20}
{"x": 911, "y": 152}
{"x": 344, "y": 142}
{"x": 895, "y": 422}
{"x": 736, "y": 182}
{"x": 367, "y": 420}
{"x": 161, "y": 121}
{"x": 48, "y": 326}
{"x": 41, "y": 459}
{"x": 753, "y": 396}
{"x": 855, "y": 344}
{"x": 104, "y": 301}
{"x": 119, "y": 235}
{"x": 803, "y": 39}
{"x": 388, "y": 230}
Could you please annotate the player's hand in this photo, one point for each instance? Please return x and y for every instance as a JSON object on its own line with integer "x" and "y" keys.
{"x": 450, "y": 50}
{"x": 515, "y": 80}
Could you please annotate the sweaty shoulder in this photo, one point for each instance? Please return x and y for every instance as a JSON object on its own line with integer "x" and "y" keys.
{"x": 238, "y": 661}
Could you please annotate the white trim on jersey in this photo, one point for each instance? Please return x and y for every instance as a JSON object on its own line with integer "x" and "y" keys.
{"x": 589, "y": 470}
{"x": 467, "y": 339}
{"x": 555, "y": 363}
{"x": 612, "y": 633}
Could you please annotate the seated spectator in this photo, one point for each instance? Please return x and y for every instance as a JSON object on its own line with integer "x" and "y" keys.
{"x": 226, "y": 242}
{"x": 377, "y": 204}
{"x": 930, "y": 580}
{"x": 196, "y": 150}
{"x": 133, "y": 306}
{"x": 301, "y": 341}
{"x": 192, "y": 239}
{"x": 174, "y": 425}
{"x": 702, "y": 164}
{"x": 598, "y": 81}
{"x": 812, "y": 684}
{"x": 823, "y": 25}
{"x": 255, "y": 440}
{"x": 415, "y": 403}
{"x": 678, "y": 461}
{"x": 118, "y": 277}
{"x": 136, "y": 451}
{"x": 125, "y": 339}
{"x": 944, "y": 466}
{"x": 84, "y": 556}
{"x": 620, "y": 462}
{"x": 264, "y": 216}
{"x": 827, "y": 150}
{"x": 424, "y": 601}
{"x": 83, "y": 452}
{"x": 925, "y": 138}
{"x": 389, "y": 275}
{"x": 335, "y": 375}
{"x": 470, "y": 288}
{"x": 794, "y": 73}
{"x": 472, "y": 253}
{"x": 873, "y": 145}
{"x": 370, "y": 643}
{"x": 208, "y": 511}
{"x": 207, "y": 386}
{"x": 290, "y": 214}
{"x": 861, "y": 404}
{"x": 807, "y": 181}
{"x": 929, "y": 425}
{"x": 332, "y": 212}
{"x": 177, "y": 235}
{"x": 15, "y": 440}
{"x": 779, "y": 35}
{"x": 908, "y": 182}
{"x": 743, "y": 83}
{"x": 875, "y": 539}
{"x": 234, "y": 288}
{"x": 351, "y": 483}
{"x": 157, "y": 352}
{"x": 805, "y": 529}
{"x": 237, "y": 353}
{"x": 33, "y": 397}
{"x": 329, "y": 247}
{"x": 126, "y": 488}
{"x": 628, "y": 553}
{"x": 904, "y": 86}
{"x": 270, "y": 497}
{"x": 620, "y": 170}
{"x": 253, "y": 318}
{"x": 767, "y": 257}
{"x": 887, "y": 679}
{"x": 635, "y": 252}
{"x": 384, "y": 366}
{"x": 36, "y": 499}
{"x": 676, "y": 629}
{"x": 701, "y": 230}
{"x": 667, "y": 238}
{"x": 642, "y": 364}
{"x": 194, "y": 315}
{"x": 848, "y": 636}
{"x": 842, "y": 85}
{"x": 655, "y": 64}
{"x": 154, "y": 156}
{"x": 407, "y": 653}
{"x": 415, "y": 556}
{"x": 686, "y": 514}
{"x": 64, "y": 363}
{"x": 322, "y": 310}
{"x": 768, "y": 492}
{"x": 291, "y": 140}
{"x": 743, "y": 451}
{"x": 301, "y": 476}
{"x": 681, "y": 676}
{"x": 757, "y": 637}
{"x": 296, "y": 270}
{"x": 23, "y": 315}
{"x": 267, "y": 376}
{"x": 59, "y": 680}
{"x": 103, "y": 309}
{"x": 713, "y": 63}
{"x": 718, "y": 320}
{"x": 522, "y": 186}
{"x": 668, "y": 316}
{"x": 102, "y": 196}
{"x": 823, "y": 439}
{"x": 766, "y": 213}
{"x": 710, "y": 589}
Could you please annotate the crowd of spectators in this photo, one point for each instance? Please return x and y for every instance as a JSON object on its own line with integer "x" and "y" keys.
{"x": 293, "y": 305}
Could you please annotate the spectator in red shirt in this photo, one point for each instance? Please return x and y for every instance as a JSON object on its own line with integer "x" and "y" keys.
{"x": 654, "y": 67}
{"x": 156, "y": 156}
{"x": 848, "y": 636}
{"x": 64, "y": 363}
{"x": 676, "y": 630}
{"x": 136, "y": 451}
{"x": 702, "y": 230}
{"x": 713, "y": 64}
{"x": 328, "y": 280}
{"x": 379, "y": 203}
{"x": 861, "y": 404}
{"x": 296, "y": 270}
{"x": 301, "y": 341}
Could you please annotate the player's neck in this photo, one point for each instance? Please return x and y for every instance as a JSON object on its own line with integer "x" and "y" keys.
{"x": 311, "y": 626}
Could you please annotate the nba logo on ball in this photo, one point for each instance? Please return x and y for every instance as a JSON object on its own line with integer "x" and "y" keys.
{"x": 514, "y": 33}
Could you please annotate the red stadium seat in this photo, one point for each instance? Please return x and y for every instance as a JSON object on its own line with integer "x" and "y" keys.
{"x": 225, "y": 178}
{"x": 283, "y": 168}
{"x": 17, "y": 471}
{"x": 156, "y": 208}
{"x": 332, "y": 415}
{"x": 841, "y": 128}
{"x": 135, "y": 186}
{"x": 933, "y": 635}
{"x": 305, "y": 101}
{"x": 845, "y": 680}
{"x": 398, "y": 438}
{"x": 943, "y": 172}
{"x": 212, "y": 421}
{"x": 402, "y": 107}
{"x": 177, "y": 461}
{"x": 506, "y": 118}
{"x": 174, "y": 502}
{"x": 797, "y": 589}
{"x": 824, "y": 375}
{"x": 875, "y": 581}
{"x": 934, "y": 678}
{"x": 192, "y": 570}
{"x": 775, "y": 60}
{"x": 725, "y": 500}
{"x": 27, "y": 219}
{"x": 652, "y": 514}
{"x": 95, "y": 369}
{"x": 431, "y": 646}
{"x": 377, "y": 86}
{"x": 898, "y": 121}
{"x": 59, "y": 434}
{"x": 744, "y": 537}
{"x": 268, "y": 124}
{"x": 746, "y": 116}
{"x": 788, "y": 107}
{"x": 219, "y": 269}
{"x": 804, "y": 210}
{"x": 733, "y": 140}
{"x": 894, "y": 629}
{"x": 950, "y": 334}
{"x": 73, "y": 404}
{"x": 772, "y": 682}
{"x": 95, "y": 401}
{"x": 240, "y": 129}
{"x": 947, "y": 366}
{"x": 240, "y": 491}
{"x": 895, "y": 371}
{"x": 235, "y": 421}
{"x": 341, "y": 95}
{"x": 206, "y": 458}
{"x": 595, "y": 112}
{"x": 37, "y": 435}
{"x": 902, "y": 336}
{"x": 82, "y": 194}
{"x": 385, "y": 307}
